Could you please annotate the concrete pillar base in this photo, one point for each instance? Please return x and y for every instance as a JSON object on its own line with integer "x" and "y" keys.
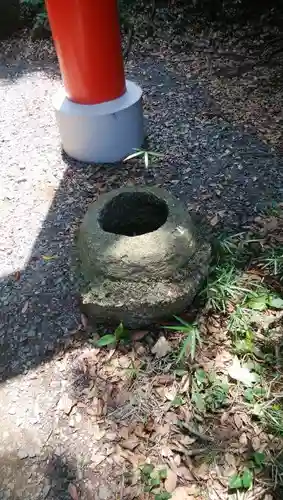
{"x": 101, "y": 133}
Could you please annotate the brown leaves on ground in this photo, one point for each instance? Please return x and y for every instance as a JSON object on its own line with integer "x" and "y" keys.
{"x": 141, "y": 411}
{"x": 161, "y": 348}
{"x": 170, "y": 481}
{"x": 73, "y": 492}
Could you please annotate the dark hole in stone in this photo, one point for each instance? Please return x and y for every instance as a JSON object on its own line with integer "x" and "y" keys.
{"x": 132, "y": 214}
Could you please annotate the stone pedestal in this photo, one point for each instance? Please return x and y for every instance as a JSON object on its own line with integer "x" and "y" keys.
{"x": 140, "y": 258}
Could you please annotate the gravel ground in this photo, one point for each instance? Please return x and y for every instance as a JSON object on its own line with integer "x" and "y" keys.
{"x": 223, "y": 173}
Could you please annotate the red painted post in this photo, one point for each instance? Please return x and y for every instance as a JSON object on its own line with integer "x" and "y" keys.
{"x": 86, "y": 34}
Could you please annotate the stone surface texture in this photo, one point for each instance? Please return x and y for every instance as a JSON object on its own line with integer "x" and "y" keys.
{"x": 139, "y": 278}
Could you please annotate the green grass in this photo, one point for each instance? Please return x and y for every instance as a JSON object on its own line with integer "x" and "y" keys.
{"x": 224, "y": 285}
{"x": 191, "y": 340}
{"x": 246, "y": 305}
{"x": 272, "y": 261}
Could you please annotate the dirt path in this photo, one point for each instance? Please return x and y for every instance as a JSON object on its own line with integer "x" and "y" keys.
{"x": 48, "y": 441}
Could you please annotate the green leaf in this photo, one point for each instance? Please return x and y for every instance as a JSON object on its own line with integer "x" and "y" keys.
{"x": 163, "y": 473}
{"x": 178, "y": 401}
{"x": 147, "y": 488}
{"x": 183, "y": 322}
{"x": 275, "y": 302}
{"x": 177, "y": 328}
{"x": 106, "y": 340}
{"x": 243, "y": 346}
{"x": 247, "y": 479}
{"x": 249, "y": 395}
{"x": 183, "y": 350}
{"x": 235, "y": 482}
{"x": 258, "y": 303}
{"x": 147, "y": 469}
{"x": 259, "y": 458}
{"x": 259, "y": 392}
{"x": 118, "y": 333}
{"x": 164, "y": 495}
{"x": 154, "y": 154}
{"x": 201, "y": 376}
{"x": 134, "y": 155}
{"x": 193, "y": 343}
{"x": 154, "y": 478}
{"x": 180, "y": 372}
{"x": 198, "y": 400}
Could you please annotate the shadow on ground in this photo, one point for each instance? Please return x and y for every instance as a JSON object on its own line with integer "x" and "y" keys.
{"x": 218, "y": 170}
{"x": 52, "y": 476}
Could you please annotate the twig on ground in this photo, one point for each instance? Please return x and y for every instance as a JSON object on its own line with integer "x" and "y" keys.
{"x": 194, "y": 451}
{"x": 256, "y": 494}
{"x": 196, "y": 433}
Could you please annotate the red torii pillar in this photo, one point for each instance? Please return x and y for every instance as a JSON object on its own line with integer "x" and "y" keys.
{"x": 99, "y": 112}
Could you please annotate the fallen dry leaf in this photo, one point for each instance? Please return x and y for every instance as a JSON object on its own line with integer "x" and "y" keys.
{"x": 202, "y": 471}
{"x": 171, "y": 417}
{"x": 118, "y": 458}
{"x": 121, "y": 398}
{"x": 177, "y": 460}
{"x": 72, "y": 490}
{"x": 270, "y": 224}
{"x": 111, "y": 436}
{"x": 129, "y": 444}
{"x": 230, "y": 460}
{"x": 132, "y": 492}
{"x": 135, "y": 459}
{"x": 161, "y": 348}
{"x": 186, "y": 440}
{"x": 170, "y": 481}
{"x": 256, "y": 443}
{"x": 214, "y": 221}
{"x": 182, "y": 493}
{"x": 185, "y": 473}
{"x": 238, "y": 421}
{"x": 243, "y": 439}
{"x": 97, "y": 432}
{"x": 97, "y": 458}
{"x": 166, "y": 451}
{"x": 224, "y": 417}
{"x": 125, "y": 362}
{"x": 170, "y": 393}
{"x": 163, "y": 380}
{"x": 139, "y": 431}
{"x": 185, "y": 413}
{"x": 241, "y": 373}
{"x": 185, "y": 384}
{"x": 138, "y": 335}
{"x": 17, "y": 275}
{"x": 162, "y": 429}
{"x": 124, "y": 433}
{"x": 149, "y": 426}
{"x": 97, "y": 407}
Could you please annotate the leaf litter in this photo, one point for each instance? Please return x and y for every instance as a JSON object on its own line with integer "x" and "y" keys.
{"x": 138, "y": 403}
{"x": 199, "y": 418}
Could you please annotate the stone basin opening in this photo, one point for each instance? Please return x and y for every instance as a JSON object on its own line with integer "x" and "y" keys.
{"x": 133, "y": 214}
